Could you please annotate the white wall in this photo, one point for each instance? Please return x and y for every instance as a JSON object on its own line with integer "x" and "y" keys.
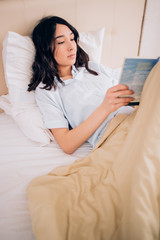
{"x": 150, "y": 44}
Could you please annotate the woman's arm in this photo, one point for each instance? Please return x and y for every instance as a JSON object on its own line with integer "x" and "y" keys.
{"x": 70, "y": 140}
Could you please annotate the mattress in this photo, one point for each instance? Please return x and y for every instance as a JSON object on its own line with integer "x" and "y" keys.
{"x": 22, "y": 160}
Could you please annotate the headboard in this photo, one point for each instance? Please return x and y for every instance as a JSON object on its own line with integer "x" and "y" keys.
{"x": 122, "y": 20}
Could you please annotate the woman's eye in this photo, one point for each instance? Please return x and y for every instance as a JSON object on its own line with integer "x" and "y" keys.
{"x": 61, "y": 42}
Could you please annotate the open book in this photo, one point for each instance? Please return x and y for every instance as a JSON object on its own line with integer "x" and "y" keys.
{"x": 134, "y": 74}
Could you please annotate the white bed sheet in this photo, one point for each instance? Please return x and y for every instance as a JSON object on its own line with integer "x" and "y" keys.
{"x": 20, "y": 161}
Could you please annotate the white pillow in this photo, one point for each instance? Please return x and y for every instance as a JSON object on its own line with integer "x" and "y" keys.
{"x": 91, "y": 42}
{"x": 18, "y": 54}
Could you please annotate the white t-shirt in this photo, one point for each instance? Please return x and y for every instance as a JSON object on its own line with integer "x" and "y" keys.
{"x": 72, "y": 103}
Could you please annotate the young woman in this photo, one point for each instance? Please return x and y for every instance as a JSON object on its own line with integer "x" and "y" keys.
{"x": 77, "y": 98}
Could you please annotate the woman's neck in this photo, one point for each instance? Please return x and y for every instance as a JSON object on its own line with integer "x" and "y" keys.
{"x": 65, "y": 73}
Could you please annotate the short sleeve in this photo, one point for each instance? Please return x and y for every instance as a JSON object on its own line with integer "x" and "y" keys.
{"x": 50, "y": 109}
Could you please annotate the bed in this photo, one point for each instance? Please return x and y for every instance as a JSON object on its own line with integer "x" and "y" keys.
{"x": 28, "y": 150}
{"x": 22, "y": 160}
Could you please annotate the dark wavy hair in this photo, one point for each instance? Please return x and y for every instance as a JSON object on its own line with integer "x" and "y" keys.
{"x": 44, "y": 68}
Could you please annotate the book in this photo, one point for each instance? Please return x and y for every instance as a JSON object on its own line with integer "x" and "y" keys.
{"x": 134, "y": 73}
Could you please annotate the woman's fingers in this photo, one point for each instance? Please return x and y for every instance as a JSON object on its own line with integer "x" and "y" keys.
{"x": 118, "y": 87}
{"x": 123, "y": 100}
{"x": 123, "y": 93}
{"x": 119, "y": 91}
{"x": 120, "y": 100}
{"x": 118, "y": 96}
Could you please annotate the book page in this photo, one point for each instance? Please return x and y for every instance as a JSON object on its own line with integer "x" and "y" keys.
{"x": 134, "y": 73}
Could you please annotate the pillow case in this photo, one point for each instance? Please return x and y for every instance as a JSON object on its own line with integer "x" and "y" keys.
{"x": 18, "y": 55}
{"x": 91, "y": 42}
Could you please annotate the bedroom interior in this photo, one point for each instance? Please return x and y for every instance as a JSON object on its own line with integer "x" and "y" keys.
{"x": 110, "y": 30}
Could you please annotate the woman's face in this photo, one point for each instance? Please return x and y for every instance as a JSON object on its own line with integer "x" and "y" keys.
{"x": 65, "y": 46}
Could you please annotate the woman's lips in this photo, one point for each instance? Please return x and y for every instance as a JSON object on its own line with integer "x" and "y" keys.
{"x": 72, "y": 56}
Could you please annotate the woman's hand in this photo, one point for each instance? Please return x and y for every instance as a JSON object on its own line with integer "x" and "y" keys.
{"x": 113, "y": 98}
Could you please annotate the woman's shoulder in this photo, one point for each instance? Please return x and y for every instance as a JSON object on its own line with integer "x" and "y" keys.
{"x": 42, "y": 88}
{"x": 41, "y": 92}
{"x": 99, "y": 67}
{"x": 105, "y": 70}
{"x": 94, "y": 66}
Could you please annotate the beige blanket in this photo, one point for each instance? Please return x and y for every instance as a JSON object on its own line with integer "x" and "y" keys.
{"x": 113, "y": 193}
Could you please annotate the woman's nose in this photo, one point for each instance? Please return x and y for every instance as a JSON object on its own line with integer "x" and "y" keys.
{"x": 70, "y": 45}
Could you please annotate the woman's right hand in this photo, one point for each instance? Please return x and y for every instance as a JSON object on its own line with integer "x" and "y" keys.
{"x": 113, "y": 98}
